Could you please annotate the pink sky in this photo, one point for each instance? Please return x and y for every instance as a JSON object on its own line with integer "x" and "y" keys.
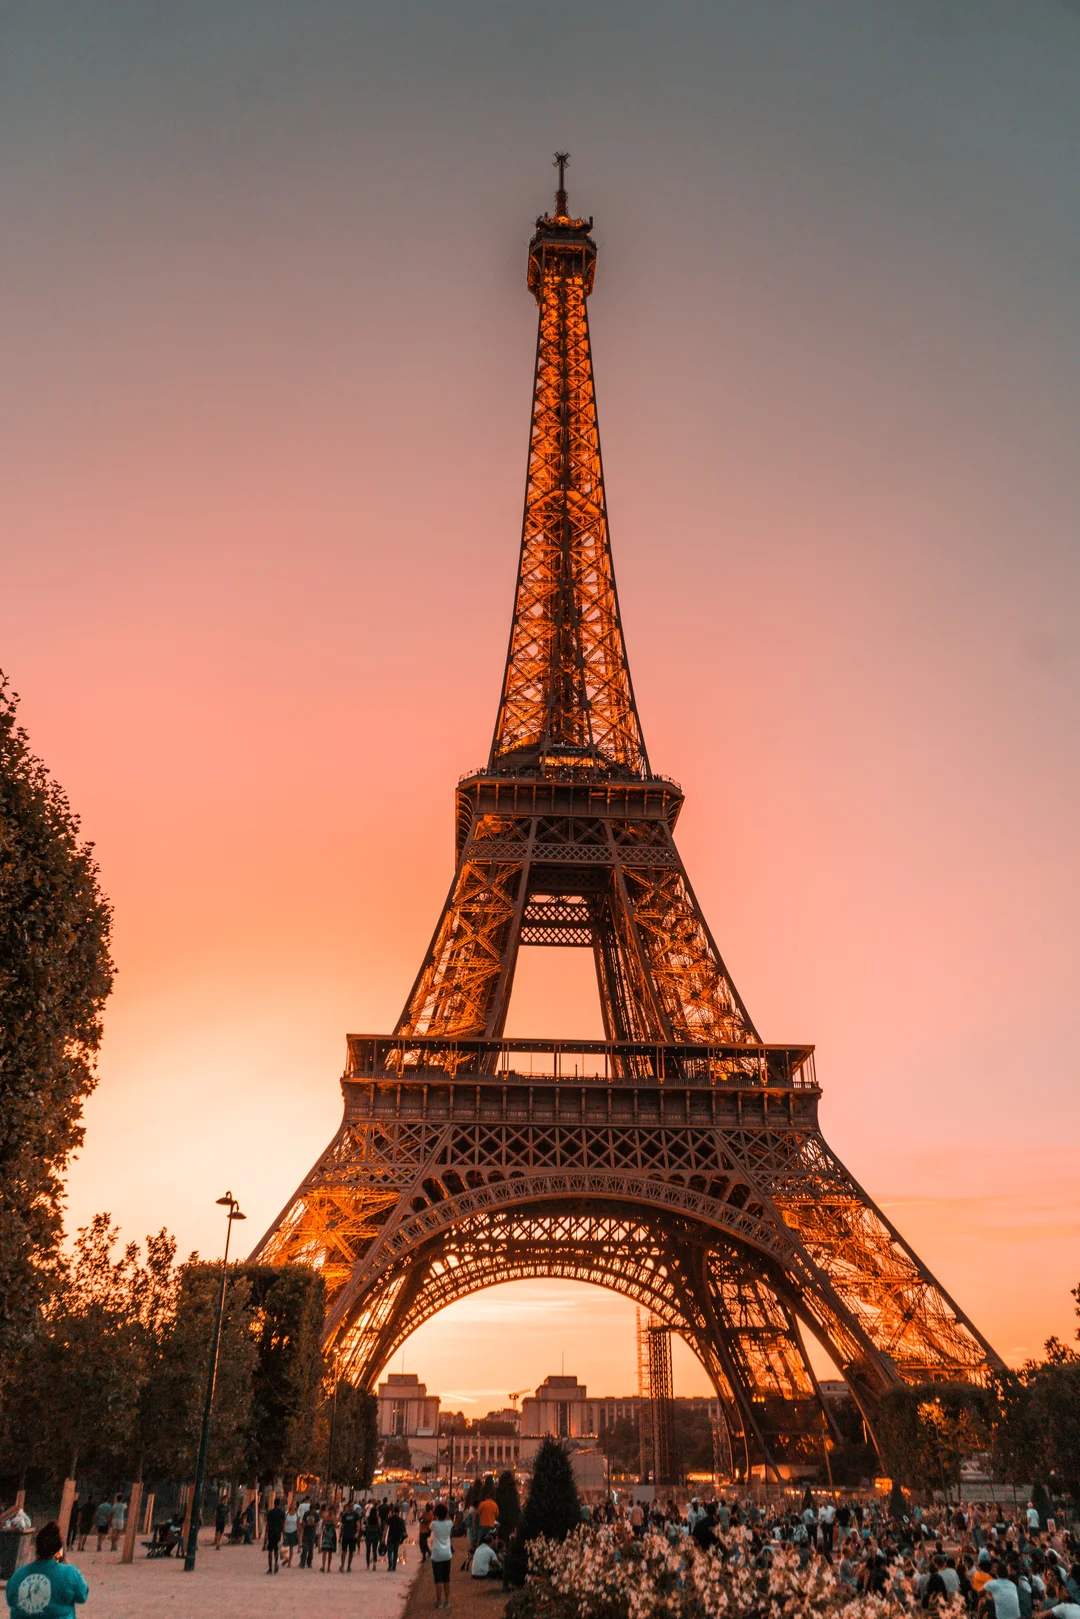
{"x": 269, "y": 351}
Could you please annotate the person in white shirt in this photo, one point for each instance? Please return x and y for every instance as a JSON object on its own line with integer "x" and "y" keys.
{"x": 1004, "y": 1595}
{"x": 485, "y": 1564}
{"x": 442, "y": 1554}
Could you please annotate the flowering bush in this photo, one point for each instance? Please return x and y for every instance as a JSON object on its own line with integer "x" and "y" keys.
{"x": 604, "y": 1574}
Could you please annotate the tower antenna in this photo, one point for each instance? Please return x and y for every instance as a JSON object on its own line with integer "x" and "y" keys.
{"x": 561, "y": 161}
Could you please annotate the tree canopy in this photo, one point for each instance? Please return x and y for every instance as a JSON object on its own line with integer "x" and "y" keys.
{"x": 553, "y": 1506}
{"x": 55, "y": 976}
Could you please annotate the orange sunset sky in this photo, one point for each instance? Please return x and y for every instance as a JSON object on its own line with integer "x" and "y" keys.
{"x": 268, "y": 352}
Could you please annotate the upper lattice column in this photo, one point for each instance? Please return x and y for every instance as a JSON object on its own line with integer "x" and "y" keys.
{"x": 567, "y": 701}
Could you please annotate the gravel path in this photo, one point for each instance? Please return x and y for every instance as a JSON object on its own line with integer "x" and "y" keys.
{"x": 233, "y": 1584}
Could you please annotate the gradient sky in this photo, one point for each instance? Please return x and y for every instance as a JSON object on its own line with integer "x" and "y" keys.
{"x": 268, "y": 352}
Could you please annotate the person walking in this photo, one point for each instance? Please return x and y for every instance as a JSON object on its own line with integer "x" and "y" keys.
{"x": 397, "y": 1531}
{"x": 372, "y": 1536}
{"x": 309, "y": 1534}
{"x": 427, "y": 1518}
{"x": 350, "y": 1534}
{"x": 442, "y": 1555}
{"x": 86, "y": 1521}
{"x": 117, "y": 1519}
{"x": 275, "y": 1528}
{"x": 103, "y": 1520}
{"x": 221, "y": 1519}
{"x": 47, "y": 1586}
{"x": 292, "y": 1533}
{"x": 328, "y": 1540}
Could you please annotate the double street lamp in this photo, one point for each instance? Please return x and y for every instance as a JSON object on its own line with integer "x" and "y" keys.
{"x": 229, "y": 1202}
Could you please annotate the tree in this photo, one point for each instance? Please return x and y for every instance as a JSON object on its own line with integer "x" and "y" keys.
{"x": 553, "y": 1507}
{"x": 509, "y": 1503}
{"x": 171, "y": 1403}
{"x": 1037, "y": 1418}
{"x": 76, "y": 1386}
{"x": 851, "y": 1460}
{"x": 926, "y": 1430}
{"x": 356, "y": 1436}
{"x": 55, "y": 976}
{"x": 622, "y": 1446}
{"x": 288, "y": 1306}
{"x": 396, "y": 1453}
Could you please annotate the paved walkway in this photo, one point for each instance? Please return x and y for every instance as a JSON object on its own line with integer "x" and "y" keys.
{"x": 233, "y": 1584}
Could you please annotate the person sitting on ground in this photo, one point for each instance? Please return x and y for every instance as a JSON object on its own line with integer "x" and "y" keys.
{"x": 485, "y": 1563}
{"x": 1060, "y": 1604}
{"x": 936, "y": 1590}
{"x": 48, "y": 1585}
{"x": 1000, "y": 1599}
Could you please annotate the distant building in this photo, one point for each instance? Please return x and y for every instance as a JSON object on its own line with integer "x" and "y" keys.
{"x": 560, "y": 1407}
{"x": 408, "y": 1412}
{"x": 488, "y": 1445}
{"x": 833, "y": 1390}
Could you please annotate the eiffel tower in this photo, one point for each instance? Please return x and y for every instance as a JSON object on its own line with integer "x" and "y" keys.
{"x": 678, "y": 1161}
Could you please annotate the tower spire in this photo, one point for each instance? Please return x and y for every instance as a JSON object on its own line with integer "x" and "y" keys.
{"x": 561, "y": 161}
{"x": 567, "y": 700}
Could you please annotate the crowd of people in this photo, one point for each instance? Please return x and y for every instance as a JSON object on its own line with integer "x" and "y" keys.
{"x": 333, "y": 1530}
{"x": 1004, "y": 1564}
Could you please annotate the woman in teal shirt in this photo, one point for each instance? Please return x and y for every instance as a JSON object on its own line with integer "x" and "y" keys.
{"x": 48, "y": 1588}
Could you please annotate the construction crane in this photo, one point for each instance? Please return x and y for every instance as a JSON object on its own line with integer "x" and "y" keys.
{"x": 514, "y": 1398}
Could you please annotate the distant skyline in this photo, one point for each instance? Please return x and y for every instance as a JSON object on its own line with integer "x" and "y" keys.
{"x": 269, "y": 353}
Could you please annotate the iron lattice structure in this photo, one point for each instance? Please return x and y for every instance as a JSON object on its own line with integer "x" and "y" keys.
{"x": 655, "y": 1396}
{"x": 678, "y": 1161}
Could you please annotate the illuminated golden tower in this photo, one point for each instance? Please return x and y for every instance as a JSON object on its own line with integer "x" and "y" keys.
{"x": 678, "y": 1161}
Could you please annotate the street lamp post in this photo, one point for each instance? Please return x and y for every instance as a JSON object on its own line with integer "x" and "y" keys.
{"x": 229, "y": 1202}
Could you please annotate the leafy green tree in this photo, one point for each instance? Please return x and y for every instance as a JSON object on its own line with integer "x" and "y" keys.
{"x": 171, "y": 1401}
{"x": 622, "y": 1446}
{"x": 1037, "y": 1418}
{"x": 926, "y": 1430}
{"x": 77, "y": 1385}
{"x": 355, "y": 1415}
{"x": 55, "y": 976}
{"x": 509, "y": 1503}
{"x": 288, "y": 1307}
{"x": 396, "y": 1453}
{"x": 553, "y": 1506}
